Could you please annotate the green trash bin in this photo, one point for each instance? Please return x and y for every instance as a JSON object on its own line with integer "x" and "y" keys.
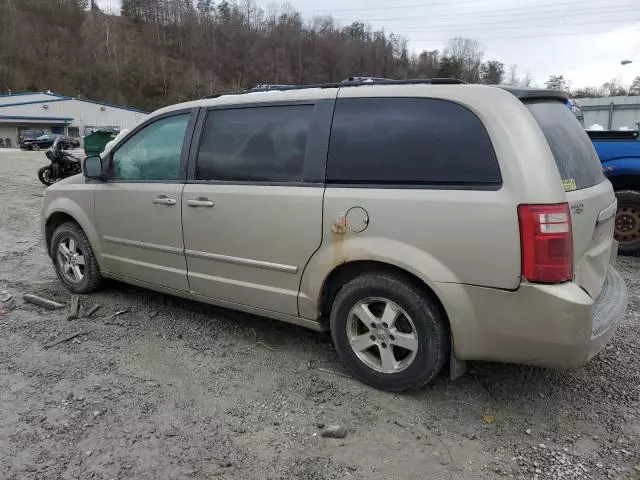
{"x": 95, "y": 142}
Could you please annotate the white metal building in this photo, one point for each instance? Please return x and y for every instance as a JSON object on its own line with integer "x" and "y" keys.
{"x": 59, "y": 114}
{"x": 612, "y": 113}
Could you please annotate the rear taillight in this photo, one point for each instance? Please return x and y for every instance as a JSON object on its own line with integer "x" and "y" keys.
{"x": 547, "y": 243}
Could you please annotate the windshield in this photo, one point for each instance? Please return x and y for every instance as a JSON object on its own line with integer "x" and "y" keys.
{"x": 575, "y": 156}
{"x": 31, "y": 133}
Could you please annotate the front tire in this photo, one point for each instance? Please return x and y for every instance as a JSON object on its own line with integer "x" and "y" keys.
{"x": 45, "y": 175}
{"x": 388, "y": 332}
{"x": 627, "y": 228}
{"x": 74, "y": 260}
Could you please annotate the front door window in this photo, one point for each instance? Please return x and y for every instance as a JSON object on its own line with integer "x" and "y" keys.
{"x": 152, "y": 154}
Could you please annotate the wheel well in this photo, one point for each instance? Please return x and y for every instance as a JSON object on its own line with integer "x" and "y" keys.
{"x": 626, "y": 182}
{"x": 348, "y": 271}
{"x": 54, "y": 221}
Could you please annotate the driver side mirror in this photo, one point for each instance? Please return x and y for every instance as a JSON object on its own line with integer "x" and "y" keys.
{"x": 92, "y": 167}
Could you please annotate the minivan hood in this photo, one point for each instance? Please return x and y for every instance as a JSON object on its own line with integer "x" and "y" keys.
{"x": 74, "y": 180}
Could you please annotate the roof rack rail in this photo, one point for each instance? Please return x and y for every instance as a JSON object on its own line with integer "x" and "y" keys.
{"x": 349, "y": 82}
{"x": 267, "y": 87}
{"x": 366, "y": 80}
{"x": 430, "y": 81}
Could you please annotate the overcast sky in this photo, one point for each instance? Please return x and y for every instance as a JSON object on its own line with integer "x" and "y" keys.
{"x": 584, "y": 40}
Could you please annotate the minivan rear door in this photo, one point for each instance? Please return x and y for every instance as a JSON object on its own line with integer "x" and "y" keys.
{"x": 590, "y": 196}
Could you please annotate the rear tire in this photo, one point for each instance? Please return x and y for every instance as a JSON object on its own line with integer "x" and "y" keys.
{"x": 418, "y": 324}
{"x": 627, "y": 227}
{"x": 82, "y": 273}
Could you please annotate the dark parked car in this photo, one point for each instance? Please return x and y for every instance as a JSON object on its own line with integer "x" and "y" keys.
{"x": 30, "y": 134}
{"x": 45, "y": 141}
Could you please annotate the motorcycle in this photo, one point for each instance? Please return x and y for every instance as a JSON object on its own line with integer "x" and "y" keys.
{"x": 63, "y": 164}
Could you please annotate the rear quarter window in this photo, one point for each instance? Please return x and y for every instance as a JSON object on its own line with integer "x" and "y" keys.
{"x": 410, "y": 141}
{"x": 575, "y": 156}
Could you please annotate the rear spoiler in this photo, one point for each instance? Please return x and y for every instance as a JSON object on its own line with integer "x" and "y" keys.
{"x": 528, "y": 94}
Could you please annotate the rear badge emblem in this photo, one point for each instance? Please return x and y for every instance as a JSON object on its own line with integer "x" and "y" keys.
{"x": 577, "y": 209}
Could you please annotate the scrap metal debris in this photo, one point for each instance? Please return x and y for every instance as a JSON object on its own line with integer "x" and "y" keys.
{"x": 93, "y": 309}
{"x": 266, "y": 346}
{"x": 110, "y": 319}
{"x": 42, "y": 302}
{"x": 334, "y": 431}
{"x": 74, "y": 307}
{"x": 66, "y": 338}
{"x": 326, "y": 370}
{"x": 6, "y": 302}
{"x": 119, "y": 312}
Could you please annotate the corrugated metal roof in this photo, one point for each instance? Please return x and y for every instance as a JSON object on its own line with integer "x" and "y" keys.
{"x": 44, "y": 119}
{"x": 59, "y": 98}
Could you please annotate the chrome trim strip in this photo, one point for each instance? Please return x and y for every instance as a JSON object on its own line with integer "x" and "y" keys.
{"x": 153, "y": 266}
{"x": 145, "y": 245}
{"x": 246, "y": 285}
{"x": 278, "y": 267}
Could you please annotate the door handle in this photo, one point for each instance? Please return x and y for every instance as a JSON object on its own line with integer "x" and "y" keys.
{"x": 200, "y": 202}
{"x": 163, "y": 200}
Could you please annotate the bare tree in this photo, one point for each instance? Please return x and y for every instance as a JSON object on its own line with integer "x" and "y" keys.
{"x": 527, "y": 80}
{"x": 512, "y": 75}
{"x": 613, "y": 88}
{"x": 466, "y": 55}
{"x": 425, "y": 65}
{"x": 158, "y": 52}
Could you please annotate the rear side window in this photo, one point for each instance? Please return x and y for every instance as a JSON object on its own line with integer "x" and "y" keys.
{"x": 575, "y": 156}
{"x": 255, "y": 144}
{"x": 409, "y": 141}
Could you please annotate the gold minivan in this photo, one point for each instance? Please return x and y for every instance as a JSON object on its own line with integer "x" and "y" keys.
{"x": 422, "y": 222}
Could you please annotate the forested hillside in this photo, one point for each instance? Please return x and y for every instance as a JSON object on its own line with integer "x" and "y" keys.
{"x": 158, "y": 52}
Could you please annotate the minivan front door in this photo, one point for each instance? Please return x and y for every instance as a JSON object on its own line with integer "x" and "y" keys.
{"x": 138, "y": 209}
{"x": 252, "y": 213}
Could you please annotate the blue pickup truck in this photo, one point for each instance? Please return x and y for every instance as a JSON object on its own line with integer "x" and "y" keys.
{"x": 619, "y": 152}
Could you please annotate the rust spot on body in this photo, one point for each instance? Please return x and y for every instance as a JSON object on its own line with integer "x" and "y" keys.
{"x": 339, "y": 227}
{"x": 339, "y": 230}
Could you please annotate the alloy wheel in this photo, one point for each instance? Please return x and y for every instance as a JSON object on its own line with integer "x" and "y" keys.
{"x": 382, "y": 335}
{"x": 71, "y": 260}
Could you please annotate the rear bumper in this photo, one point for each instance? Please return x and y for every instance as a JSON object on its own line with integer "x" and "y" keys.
{"x": 545, "y": 325}
{"x": 607, "y": 311}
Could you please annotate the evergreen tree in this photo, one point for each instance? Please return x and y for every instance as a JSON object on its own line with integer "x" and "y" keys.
{"x": 449, "y": 68}
{"x": 492, "y": 72}
{"x": 634, "y": 89}
{"x": 557, "y": 82}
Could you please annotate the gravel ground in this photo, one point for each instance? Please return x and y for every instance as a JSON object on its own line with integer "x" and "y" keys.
{"x": 176, "y": 389}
